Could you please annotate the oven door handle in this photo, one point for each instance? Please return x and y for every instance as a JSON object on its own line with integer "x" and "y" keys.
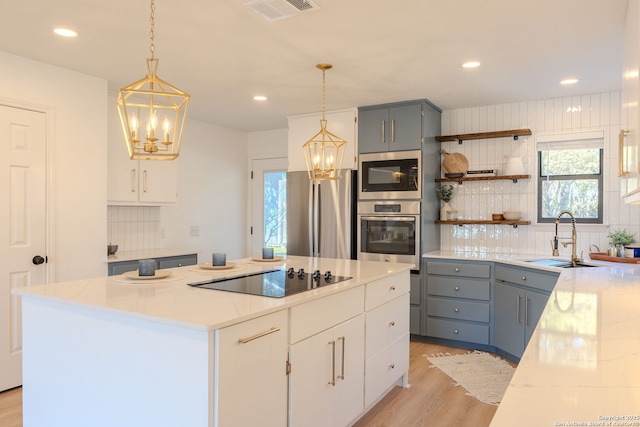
{"x": 388, "y": 218}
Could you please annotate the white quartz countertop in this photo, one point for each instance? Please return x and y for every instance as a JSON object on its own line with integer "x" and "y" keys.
{"x": 582, "y": 364}
{"x": 173, "y": 301}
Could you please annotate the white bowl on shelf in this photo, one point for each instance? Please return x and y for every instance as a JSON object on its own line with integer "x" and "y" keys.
{"x": 511, "y": 215}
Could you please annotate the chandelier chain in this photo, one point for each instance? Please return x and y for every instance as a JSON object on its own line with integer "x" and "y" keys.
{"x": 152, "y": 48}
{"x": 323, "y": 93}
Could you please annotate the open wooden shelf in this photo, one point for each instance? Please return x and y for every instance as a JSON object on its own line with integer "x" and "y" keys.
{"x": 481, "y": 221}
{"x": 514, "y": 133}
{"x": 513, "y": 178}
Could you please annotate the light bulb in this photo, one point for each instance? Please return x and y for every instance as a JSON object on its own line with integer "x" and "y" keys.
{"x": 134, "y": 125}
{"x": 152, "y": 125}
{"x": 166, "y": 127}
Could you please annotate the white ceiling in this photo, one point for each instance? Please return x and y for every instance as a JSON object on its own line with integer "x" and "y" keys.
{"x": 224, "y": 53}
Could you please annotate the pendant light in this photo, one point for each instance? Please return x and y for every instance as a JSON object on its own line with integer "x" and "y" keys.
{"x": 160, "y": 106}
{"x": 324, "y": 152}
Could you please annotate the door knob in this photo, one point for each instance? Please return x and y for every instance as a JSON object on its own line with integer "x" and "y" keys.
{"x": 37, "y": 260}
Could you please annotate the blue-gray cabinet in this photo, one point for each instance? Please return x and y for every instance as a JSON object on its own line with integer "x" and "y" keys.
{"x": 390, "y": 128}
{"x": 119, "y": 267}
{"x": 520, "y": 297}
{"x": 459, "y": 301}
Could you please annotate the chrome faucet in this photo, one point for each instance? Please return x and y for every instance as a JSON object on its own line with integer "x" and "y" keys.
{"x": 574, "y": 238}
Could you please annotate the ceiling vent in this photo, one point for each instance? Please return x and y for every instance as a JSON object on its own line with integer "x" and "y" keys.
{"x": 274, "y": 10}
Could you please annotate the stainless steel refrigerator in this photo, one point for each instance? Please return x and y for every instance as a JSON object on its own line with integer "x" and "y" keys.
{"x": 321, "y": 215}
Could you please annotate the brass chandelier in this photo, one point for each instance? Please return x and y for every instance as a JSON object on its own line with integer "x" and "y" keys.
{"x": 324, "y": 152}
{"x": 154, "y": 102}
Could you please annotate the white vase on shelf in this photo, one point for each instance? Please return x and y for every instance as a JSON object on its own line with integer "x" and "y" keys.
{"x": 443, "y": 211}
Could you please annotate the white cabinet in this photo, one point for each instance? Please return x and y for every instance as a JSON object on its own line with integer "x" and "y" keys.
{"x": 327, "y": 376}
{"x": 326, "y": 357}
{"x": 630, "y": 146}
{"x": 136, "y": 182}
{"x": 387, "y": 336}
{"x": 341, "y": 123}
{"x": 251, "y": 372}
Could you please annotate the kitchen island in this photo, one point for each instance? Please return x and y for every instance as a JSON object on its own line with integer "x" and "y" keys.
{"x": 113, "y": 351}
{"x": 582, "y": 363}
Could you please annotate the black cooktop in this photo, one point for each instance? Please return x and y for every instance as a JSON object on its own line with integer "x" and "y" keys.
{"x": 275, "y": 283}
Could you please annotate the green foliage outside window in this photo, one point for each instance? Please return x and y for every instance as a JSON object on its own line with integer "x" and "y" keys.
{"x": 571, "y": 180}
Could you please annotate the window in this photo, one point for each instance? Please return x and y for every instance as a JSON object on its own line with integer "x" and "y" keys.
{"x": 570, "y": 177}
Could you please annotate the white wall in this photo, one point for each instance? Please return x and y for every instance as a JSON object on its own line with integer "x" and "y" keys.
{"x": 478, "y": 200}
{"x": 212, "y": 192}
{"x": 77, "y": 108}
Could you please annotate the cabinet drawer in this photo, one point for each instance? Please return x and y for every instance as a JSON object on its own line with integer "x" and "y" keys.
{"x": 384, "y": 290}
{"x": 459, "y": 331}
{"x": 386, "y": 324}
{"x": 459, "y": 269}
{"x": 310, "y": 318}
{"x": 178, "y": 261}
{"x": 527, "y": 277}
{"x": 385, "y": 369}
{"x": 459, "y": 288}
{"x": 458, "y": 310}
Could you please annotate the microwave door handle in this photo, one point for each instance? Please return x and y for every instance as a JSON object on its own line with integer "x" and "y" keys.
{"x": 389, "y": 218}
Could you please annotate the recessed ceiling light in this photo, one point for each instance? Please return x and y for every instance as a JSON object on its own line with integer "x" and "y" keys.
{"x": 471, "y": 64}
{"x": 569, "y": 81}
{"x": 260, "y": 98}
{"x": 65, "y": 32}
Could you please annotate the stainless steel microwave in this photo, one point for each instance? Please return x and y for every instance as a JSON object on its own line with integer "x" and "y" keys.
{"x": 390, "y": 175}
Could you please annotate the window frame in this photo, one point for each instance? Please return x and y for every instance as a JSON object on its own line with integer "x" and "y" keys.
{"x": 599, "y": 177}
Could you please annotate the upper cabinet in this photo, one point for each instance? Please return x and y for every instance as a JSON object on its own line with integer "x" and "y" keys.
{"x": 629, "y": 138}
{"x": 136, "y": 182}
{"x": 390, "y": 128}
{"x": 342, "y": 123}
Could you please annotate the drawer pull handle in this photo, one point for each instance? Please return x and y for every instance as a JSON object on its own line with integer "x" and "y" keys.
{"x": 392, "y": 323}
{"x": 457, "y": 288}
{"x": 256, "y": 336}
{"x": 392, "y": 366}
{"x": 456, "y": 309}
{"x": 455, "y": 331}
{"x": 457, "y": 270}
{"x": 341, "y": 377}
{"x": 392, "y": 288}
{"x": 524, "y": 278}
{"x": 333, "y": 368}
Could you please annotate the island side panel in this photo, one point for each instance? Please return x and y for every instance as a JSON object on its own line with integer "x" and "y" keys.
{"x": 84, "y": 367}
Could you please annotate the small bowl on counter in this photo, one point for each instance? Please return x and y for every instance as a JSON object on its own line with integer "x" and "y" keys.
{"x": 511, "y": 215}
{"x": 112, "y": 249}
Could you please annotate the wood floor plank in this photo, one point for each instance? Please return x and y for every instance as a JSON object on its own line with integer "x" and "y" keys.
{"x": 432, "y": 400}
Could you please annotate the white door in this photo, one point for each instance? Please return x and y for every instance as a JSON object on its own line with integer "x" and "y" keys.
{"x": 268, "y": 206}
{"x": 23, "y": 226}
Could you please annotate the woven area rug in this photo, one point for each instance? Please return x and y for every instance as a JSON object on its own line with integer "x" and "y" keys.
{"x": 483, "y": 375}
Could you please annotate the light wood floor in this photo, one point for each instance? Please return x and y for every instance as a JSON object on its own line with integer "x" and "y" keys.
{"x": 431, "y": 400}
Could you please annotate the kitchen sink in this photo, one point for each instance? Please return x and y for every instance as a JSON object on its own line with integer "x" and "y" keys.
{"x": 560, "y": 263}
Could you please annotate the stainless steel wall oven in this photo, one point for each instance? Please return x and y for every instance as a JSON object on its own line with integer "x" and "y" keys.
{"x": 389, "y": 231}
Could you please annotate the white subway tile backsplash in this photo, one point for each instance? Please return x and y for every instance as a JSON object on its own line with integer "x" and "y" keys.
{"x": 134, "y": 227}
{"x": 478, "y": 200}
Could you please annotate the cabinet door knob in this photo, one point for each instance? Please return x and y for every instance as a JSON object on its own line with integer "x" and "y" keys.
{"x": 392, "y": 288}
{"x": 392, "y": 323}
{"x": 392, "y": 366}
{"x": 455, "y": 331}
{"x": 456, "y": 309}
{"x": 524, "y": 278}
{"x": 457, "y": 270}
{"x": 457, "y": 288}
